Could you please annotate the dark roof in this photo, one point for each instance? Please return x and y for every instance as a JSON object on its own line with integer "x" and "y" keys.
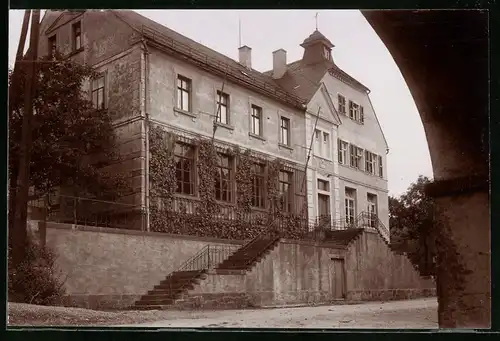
{"x": 303, "y": 79}
{"x": 317, "y": 36}
{"x": 138, "y": 22}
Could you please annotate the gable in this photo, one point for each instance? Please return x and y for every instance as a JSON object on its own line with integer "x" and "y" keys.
{"x": 321, "y": 100}
{"x": 370, "y": 131}
{"x": 62, "y": 19}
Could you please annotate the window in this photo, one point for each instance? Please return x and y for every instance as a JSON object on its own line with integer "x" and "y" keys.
{"x": 258, "y": 171}
{"x": 183, "y": 93}
{"x": 353, "y": 111}
{"x": 184, "y": 168}
{"x": 350, "y": 205}
{"x": 285, "y": 131}
{"x": 98, "y": 84}
{"x": 326, "y": 52}
{"x": 380, "y": 167}
{"x": 222, "y": 107}
{"x": 342, "y": 148}
{"x": 223, "y": 180}
{"x": 326, "y": 145}
{"x": 285, "y": 191}
{"x": 341, "y": 104}
{"x": 323, "y": 205}
{"x": 77, "y": 36}
{"x": 356, "y": 112}
{"x": 256, "y": 120}
{"x": 372, "y": 209}
{"x": 323, "y": 185}
{"x": 317, "y": 142}
{"x": 52, "y": 46}
{"x": 370, "y": 161}
{"x": 356, "y": 155}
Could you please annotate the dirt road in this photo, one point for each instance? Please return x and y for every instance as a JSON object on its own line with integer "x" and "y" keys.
{"x": 421, "y": 313}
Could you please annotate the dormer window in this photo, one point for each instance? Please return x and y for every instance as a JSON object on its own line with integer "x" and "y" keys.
{"x": 326, "y": 53}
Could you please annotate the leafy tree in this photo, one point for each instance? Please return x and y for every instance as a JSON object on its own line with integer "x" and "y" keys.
{"x": 72, "y": 141}
{"x": 411, "y": 225}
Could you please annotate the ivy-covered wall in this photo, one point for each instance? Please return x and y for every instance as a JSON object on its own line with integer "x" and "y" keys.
{"x": 202, "y": 214}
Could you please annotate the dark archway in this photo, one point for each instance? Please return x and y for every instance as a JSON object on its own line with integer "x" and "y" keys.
{"x": 443, "y": 56}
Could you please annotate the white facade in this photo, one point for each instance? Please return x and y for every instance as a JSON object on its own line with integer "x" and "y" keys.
{"x": 370, "y": 190}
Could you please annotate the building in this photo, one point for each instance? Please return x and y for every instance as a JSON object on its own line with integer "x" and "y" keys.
{"x": 347, "y": 172}
{"x": 151, "y": 76}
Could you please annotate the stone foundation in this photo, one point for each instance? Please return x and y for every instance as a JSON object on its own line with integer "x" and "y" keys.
{"x": 100, "y": 302}
{"x": 224, "y": 300}
{"x": 390, "y": 294}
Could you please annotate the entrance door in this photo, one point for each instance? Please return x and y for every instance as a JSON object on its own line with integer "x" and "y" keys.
{"x": 323, "y": 205}
{"x": 337, "y": 278}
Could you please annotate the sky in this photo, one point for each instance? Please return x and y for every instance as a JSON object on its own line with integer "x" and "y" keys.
{"x": 358, "y": 51}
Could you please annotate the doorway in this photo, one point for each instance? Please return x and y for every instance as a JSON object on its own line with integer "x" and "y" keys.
{"x": 337, "y": 278}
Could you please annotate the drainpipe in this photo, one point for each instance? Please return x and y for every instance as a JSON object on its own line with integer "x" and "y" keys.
{"x": 146, "y": 130}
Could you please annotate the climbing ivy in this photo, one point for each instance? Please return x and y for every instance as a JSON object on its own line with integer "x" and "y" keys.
{"x": 162, "y": 167}
{"x": 243, "y": 182}
{"x": 204, "y": 218}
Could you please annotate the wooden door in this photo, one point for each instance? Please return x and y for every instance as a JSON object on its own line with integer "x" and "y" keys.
{"x": 337, "y": 278}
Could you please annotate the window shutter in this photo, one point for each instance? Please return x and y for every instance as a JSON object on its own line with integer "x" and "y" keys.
{"x": 361, "y": 114}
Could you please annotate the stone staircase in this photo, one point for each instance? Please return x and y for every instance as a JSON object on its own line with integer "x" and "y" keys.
{"x": 250, "y": 254}
{"x": 172, "y": 292}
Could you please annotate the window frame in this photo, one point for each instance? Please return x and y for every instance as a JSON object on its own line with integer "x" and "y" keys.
{"x": 286, "y": 128}
{"x": 94, "y": 89}
{"x": 230, "y": 181}
{"x": 342, "y": 105}
{"x": 258, "y": 185}
{"x": 75, "y": 36}
{"x": 380, "y": 166}
{"x": 256, "y": 109}
{"x": 286, "y": 206}
{"x": 324, "y": 182}
{"x": 52, "y": 45}
{"x": 370, "y": 162}
{"x": 221, "y": 96}
{"x": 327, "y": 198}
{"x": 342, "y": 152}
{"x": 372, "y": 213}
{"x": 350, "y": 197}
{"x": 327, "y": 145}
{"x": 180, "y": 91}
{"x": 317, "y": 142}
{"x": 192, "y": 169}
{"x": 354, "y": 108}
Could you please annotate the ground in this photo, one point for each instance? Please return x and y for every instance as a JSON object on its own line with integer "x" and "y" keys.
{"x": 421, "y": 313}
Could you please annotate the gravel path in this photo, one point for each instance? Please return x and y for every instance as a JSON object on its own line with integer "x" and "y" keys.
{"x": 411, "y": 314}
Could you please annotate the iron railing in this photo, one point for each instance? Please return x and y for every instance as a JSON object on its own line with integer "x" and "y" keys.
{"x": 363, "y": 220}
{"x": 208, "y": 257}
{"x": 86, "y": 211}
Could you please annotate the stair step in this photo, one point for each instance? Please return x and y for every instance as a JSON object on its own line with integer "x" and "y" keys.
{"x": 165, "y": 301}
{"x": 174, "y": 288}
{"x": 150, "y": 307}
{"x": 178, "y": 281}
{"x": 155, "y": 297}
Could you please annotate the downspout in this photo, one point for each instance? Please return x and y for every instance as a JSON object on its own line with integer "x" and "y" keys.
{"x": 146, "y": 130}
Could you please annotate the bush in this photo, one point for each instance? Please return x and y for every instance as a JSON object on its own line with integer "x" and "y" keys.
{"x": 36, "y": 280}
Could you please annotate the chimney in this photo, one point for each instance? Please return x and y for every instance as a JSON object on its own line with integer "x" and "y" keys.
{"x": 279, "y": 63}
{"x": 245, "y": 56}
